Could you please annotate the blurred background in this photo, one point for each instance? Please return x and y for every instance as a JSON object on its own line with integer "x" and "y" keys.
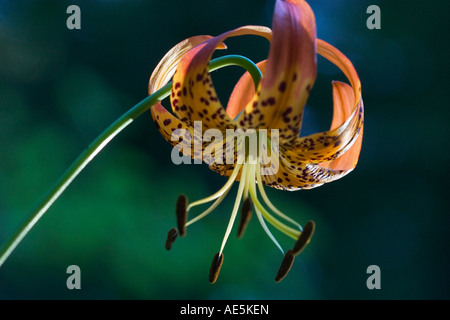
{"x": 60, "y": 88}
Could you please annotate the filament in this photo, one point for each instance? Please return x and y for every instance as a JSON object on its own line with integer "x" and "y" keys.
{"x": 269, "y": 203}
{"x": 244, "y": 177}
{"x": 219, "y": 193}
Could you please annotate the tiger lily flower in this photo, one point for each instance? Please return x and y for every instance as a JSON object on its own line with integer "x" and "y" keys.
{"x": 276, "y": 104}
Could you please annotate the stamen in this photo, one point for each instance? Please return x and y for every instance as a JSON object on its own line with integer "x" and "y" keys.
{"x": 222, "y": 190}
{"x": 286, "y": 265}
{"x": 304, "y": 237}
{"x": 293, "y": 233}
{"x": 209, "y": 210}
{"x": 182, "y": 214}
{"x": 269, "y": 203}
{"x": 246, "y": 214}
{"x": 215, "y": 267}
{"x": 236, "y": 206}
{"x": 266, "y": 229}
{"x": 171, "y": 237}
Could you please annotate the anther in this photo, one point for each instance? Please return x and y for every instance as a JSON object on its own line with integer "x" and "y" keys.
{"x": 304, "y": 237}
{"x": 286, "y": 265}
{"x": 171, "y": 236}
{"x": 182, "y": 214}
{"x": 246, "y": 214}
{"x": 215, "y": 267}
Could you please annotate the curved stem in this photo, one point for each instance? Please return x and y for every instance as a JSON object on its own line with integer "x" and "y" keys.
{"x": 103, "y": 139}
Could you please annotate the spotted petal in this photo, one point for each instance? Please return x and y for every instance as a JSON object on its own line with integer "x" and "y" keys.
{"x": 348, "y": 160}
{"x": 324, "y": 157}
{"x": 290, "y": 72}
{"x": 171, "y": 128}
{"x": 193, "y": 95}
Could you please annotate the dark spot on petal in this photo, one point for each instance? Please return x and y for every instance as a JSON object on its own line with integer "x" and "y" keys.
{"x": 271, "y": 101}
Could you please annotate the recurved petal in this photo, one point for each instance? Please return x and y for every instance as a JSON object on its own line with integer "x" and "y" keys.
{"x": 348, "y": 160}
{"x": 327, "y": 156}
{"x": 298, "y": 168}
{"x": 208, "y": 146}
{"x": 346, "y": 125}
{"x": 193, "y": 95}
{"x": 288, "y": 174}
{"x": 290, "y": 72}
{"x": 342, "y": 62}
{"x": 174, "y": 131}
{"x": 165, "y": 69}
{"x": 161, "y": 75}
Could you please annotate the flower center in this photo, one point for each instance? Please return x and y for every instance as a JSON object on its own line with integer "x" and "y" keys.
{"x": 248, "y": 163}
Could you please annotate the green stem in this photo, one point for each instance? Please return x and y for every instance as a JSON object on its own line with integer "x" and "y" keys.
{"x": 103, "y": 139}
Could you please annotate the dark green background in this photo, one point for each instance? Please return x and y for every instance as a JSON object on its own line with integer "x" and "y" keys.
{"x": 59, "y": 88}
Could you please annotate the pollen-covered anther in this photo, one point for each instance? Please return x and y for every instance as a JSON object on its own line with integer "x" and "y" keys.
{"x": 304, "y": 237}
{"x": 286, "y": 265}
{"x": 246, "y": 214}
{"x": 182, "y": 203}
{"x": 171, "y": 237}
{"x": 215, "y": 267}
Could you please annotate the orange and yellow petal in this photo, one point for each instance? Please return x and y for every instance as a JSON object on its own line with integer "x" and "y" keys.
{"x": 190, "y": 141}
{"x": 332, "y": 54}
{"x": 329, "y": 145}
{"x": 320, "y": 158}
{"x": 166, "y": 123}
{"x": 290, "y": 72}
{"x": 194, "y": 97}
{"x": 165, "y": 69}
{"x": 173, "y": 130}
{"x": 348, "y": 159}
{"x": 289, "y": 174}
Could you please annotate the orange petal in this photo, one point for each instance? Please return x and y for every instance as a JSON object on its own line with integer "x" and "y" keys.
{"x": 243, "y": 92}
{"x": 329, "y": 145}
{"x": 301, "y": 165}
{"x": 342, "y": 62}
{"x": 349, "y": 159}
{"x": 161, "y": 75}
{"x": 290, "y": 71}
{"x": 193, "y": 95}
{"x": 165, "y": 69}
